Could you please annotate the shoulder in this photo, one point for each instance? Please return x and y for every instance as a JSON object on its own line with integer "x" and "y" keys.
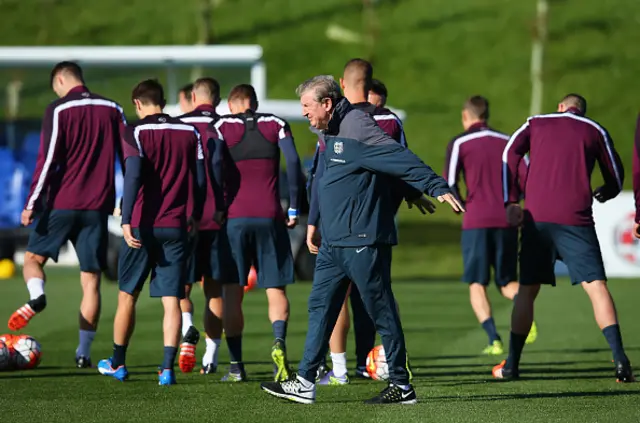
{"x": 362, "y": 127}
{"x": 198, "y": 116}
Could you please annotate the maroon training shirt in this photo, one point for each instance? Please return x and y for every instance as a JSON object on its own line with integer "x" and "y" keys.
{"x": 76, "y": 161}
{"x": 563, "y": 150}
{"x": 201, "y": 117}
{"x": 477, "y": 155}
{"x": 254, "y": 182}
{"x": 169, "y": 150}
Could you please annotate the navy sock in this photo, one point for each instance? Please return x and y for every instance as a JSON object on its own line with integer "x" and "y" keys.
{"x": 614, "y": 338}
{"x": 234, "y": 344}
{"x": 516, "y": 344}
{"x": 119, "y": 355}
{"x": 489, "y": 326}
{"x": 280, "y": 330}
{"x": 169, "y": 357}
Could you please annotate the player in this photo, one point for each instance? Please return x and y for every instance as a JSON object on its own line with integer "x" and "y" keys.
{"x": 487, "y": 239}
{"x": 377, "y": 93}
{"x": 209, "y": 255}
{"x": 357, "y": 233}
{"x": 256, "y": 225}
{"x": 162, "y": 155}
{"x": 636, "y": 178}
{"x": 558, "y": 221}
{"x": 185, "y": 98}
{"x": 71, "y": 196}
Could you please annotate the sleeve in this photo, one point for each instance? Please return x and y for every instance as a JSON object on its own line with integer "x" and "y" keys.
{"x": 131, "y": 143}
{"x": 216, "y": 148}
{"x": 523, "y": 173}
{"x": 121, "y": 128}
{"x": 402, "y": 139}
{"x": 49, "y": 145}
{"x": 381, "y": 153}
{"x": 636, "y": 169}
{"x": 314, "y": 205}
{"x": 200, "y": 179}
{"x": 453, "y": 167}
{"x": 294, "y": 171}
{"x": 132, "y": 184}
{"x": 312, "y": 170}
{"x": 610, "y": 166}
{"x": 513, "y": 154}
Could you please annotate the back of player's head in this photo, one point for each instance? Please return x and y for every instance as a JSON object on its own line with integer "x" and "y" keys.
{"x": 186, "y": 91}
{"x": 477, "y": 107}
{"x": 244, "y": 92}
{"x": 68, "y": 69}
{"x": 207, "y": 89}
{"x": 575, "y": 100}
{"x": 378, "y": 88}
{"x": 358, "y": 73}
{"x": 149, "y": 93}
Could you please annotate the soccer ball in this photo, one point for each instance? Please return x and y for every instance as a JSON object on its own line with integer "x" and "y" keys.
{"x": 6, "y": 357}
{"x": 377, "y": 364}
{"x": 27, "y": 352}
{"x": 252, "y": 279}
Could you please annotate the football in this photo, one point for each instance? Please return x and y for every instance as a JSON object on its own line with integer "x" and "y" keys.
{"x": 377, "y": 364}
{"x": 27, "y": 352}
{"x": 6, "y": 357}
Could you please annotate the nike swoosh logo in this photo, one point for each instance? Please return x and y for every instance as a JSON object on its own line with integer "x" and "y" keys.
{"x": 359, "y": 250}
{"x": 406, "y": 394}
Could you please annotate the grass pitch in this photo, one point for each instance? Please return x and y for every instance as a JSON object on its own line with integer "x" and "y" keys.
{"x": 567, "y": 373}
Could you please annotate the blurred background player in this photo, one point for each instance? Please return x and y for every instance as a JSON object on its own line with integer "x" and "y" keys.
{"x": 487, "y": 239}
{"x": 256, "y": 224}
{"x": 185, "y": 98}
{"x": 162, "y": 155}
{"x": 356, "y": 83}
{"x": 636, "y": 178}
{"x": 558, "y": 219}
{"x": 81, "y": 133}
{"x": 377, "y": 93}
{"x": 206, "y": 260}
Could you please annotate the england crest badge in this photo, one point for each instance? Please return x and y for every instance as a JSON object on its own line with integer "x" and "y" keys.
{"x": 338, "y": 148}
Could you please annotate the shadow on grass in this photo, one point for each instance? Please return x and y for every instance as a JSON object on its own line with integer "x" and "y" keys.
{"x": 537, "y": 395}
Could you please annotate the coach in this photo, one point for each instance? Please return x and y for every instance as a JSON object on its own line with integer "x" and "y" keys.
{"x": 358, "y": 230}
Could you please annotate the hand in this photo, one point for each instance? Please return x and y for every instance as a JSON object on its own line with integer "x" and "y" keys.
{"x": 27, "y": 217}
{"x": 220, "y": 217}
{"x": 453, "y": 202}
{"x": 601, "y": 194}
{"x": 292, "y": 219}
{"x": 423, "y": 204}
{"x": 193, "y": 225}
{"x": 636, "y": 230}
{"x": 515, "y": 215}
{"x": 129, "y": 238}
{"x": 313, "y": 239}
{"x": 117, "y": 212}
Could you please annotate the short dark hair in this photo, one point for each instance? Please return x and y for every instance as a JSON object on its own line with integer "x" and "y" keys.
{"x": 379, "y": 88}
{"x": 71, "y": 68}
{"x": 210, "y": 87}
{"x": 575, "y": 100}
{"x": 478, "y": 106}
{"x": 186, "y": 90}
{"x": 243, "y": 92}
{"x": 149, "y": 92}
{"x": 359, "y": 71}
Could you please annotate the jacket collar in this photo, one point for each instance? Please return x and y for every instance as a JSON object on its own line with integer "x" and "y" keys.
{"x": 342, "y": 108}
{"x": 575, "y": 111}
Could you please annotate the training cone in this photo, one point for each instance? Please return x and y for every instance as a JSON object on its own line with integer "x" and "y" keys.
{"x": 7, "y": 269}
{"x": 252, "y": 279}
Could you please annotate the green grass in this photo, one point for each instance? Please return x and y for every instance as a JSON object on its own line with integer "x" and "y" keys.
{"x": 567, "y": 374}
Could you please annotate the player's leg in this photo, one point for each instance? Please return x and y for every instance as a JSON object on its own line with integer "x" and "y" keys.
{"x": 364, "y": 331}
{"x": 167, "y": 282}
{"x": 537, "y": 258}
{"x": 186, "y": 308}
{"x": 580, "y": 250}
{"x": 50, "y": 233}
{"x": 338, "y": 349}
{"x": 190, "y": 335}
{"x": 134, "y": 266}
{"x": 325, "y": 301}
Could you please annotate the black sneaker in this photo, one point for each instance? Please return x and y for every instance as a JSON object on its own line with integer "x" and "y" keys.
{"x": 209, "y": 369}
{"x": 83, "y": 362}
{"x": 293, "y": 390}
{"x": 323, "y": 370}
{"x": 393, "y": 394}
{"x": 624, "y": 374}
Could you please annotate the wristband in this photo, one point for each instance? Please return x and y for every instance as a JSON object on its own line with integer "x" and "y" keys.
{"x": 292, "y": 213}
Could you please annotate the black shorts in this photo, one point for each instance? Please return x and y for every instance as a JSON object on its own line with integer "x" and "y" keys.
{"x": 210, "y": 256}
{"x": 86, "y": 229}
{"x": 544, "y": 243}
{"x": 163, "y": 254}
{"x": 484, "y": 248}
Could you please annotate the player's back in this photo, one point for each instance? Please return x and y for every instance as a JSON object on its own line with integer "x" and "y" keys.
{"x": 81, "y": 134}
{"x": 251, "y": 181}
{"x": 169, "y": 149}
{"x": 564, "y": 148}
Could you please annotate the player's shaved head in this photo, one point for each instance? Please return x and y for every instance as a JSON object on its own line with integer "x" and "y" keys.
{"x": 207, "y": 90}
{"x": 242, "y": 98}
{"x": 477, "y": 107}
{"x": 576, "y": 101}
{"x": 358, "y": 73}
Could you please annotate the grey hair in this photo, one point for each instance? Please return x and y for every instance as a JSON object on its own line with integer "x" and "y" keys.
{"x": 324, "y": 86}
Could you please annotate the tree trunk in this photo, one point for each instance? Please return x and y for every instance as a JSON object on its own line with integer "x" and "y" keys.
{"x": 537, "y": 58}
{"x": 370, "y": 25}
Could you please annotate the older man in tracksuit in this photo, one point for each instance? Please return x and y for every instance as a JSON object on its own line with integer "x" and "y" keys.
{"x": 358, "y": 231}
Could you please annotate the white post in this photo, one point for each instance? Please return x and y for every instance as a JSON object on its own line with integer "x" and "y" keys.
{"x": 537, "y": 58}
{"x": 13, "y": 105}
{"x": 259, "y": 79}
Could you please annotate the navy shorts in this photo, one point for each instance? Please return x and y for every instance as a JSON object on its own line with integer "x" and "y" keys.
{"x": 210, "y": 256}
{"x": 576, "y": 246}
{"x": 86, "y": 229}
{"x": 484, "y": 248}
{"x": 264, "y": 243}
{"x": 164, "y": 255}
